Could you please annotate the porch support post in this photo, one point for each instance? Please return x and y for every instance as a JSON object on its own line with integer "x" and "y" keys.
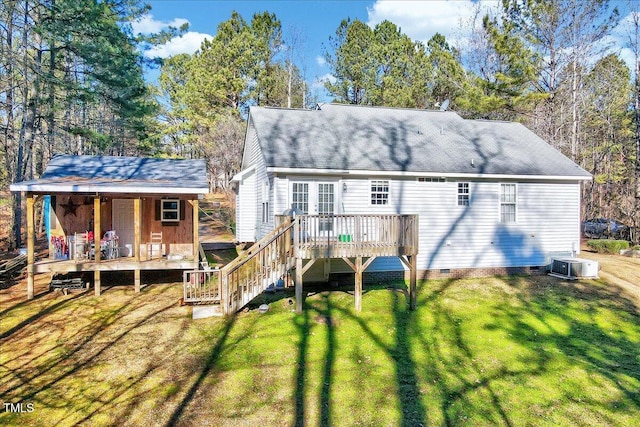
{"x": 196, "y": 243}
{"x": 358, "y": 268}
{"x": 96, "y": 243}
{"x": 136, "y": 280}
{"x": 358, "y": 287}
{"x": 299, "y": 285}
{"x": 30, "y": 245}
{"x": 412, "y": 264}
{"x": 412, "y": 281}
{"x": 137, "y": 231}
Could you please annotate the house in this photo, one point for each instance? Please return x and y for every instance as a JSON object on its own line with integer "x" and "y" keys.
{"x": 142, "y": 212}
{"x": 490, "y": 197}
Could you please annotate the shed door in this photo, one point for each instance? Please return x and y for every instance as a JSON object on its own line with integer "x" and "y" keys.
{"x": 123, "y": 222}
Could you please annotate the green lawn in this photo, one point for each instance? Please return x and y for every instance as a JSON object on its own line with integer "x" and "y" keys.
{"x": 496, "y": 351}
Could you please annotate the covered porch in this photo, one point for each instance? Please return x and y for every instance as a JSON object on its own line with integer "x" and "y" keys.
{"x": 176, "y": 249}
{"x": 116, "y": 214}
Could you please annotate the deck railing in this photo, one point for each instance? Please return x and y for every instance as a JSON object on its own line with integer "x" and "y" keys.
{"x": 336, "y": 236}
{"x": 264, "y": 264}
{"x": 202, "y": 286}
{"x": 268, "y": 262}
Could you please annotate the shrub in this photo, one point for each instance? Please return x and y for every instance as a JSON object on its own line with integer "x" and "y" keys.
{"x": 608, "y": 246}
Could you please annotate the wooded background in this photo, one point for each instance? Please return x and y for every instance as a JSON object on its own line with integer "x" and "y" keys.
{"x": 72, "y": 81}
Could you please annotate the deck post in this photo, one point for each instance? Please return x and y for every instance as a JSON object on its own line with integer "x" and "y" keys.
{"x": 196, "y": 244}
{"x": 412, "y": 282}
{"x": 30, "y": 245}
{"x": 137, "y": 231}
{"x": 358, "y": 285}
{"x": 299, "y": 285}
{"x": 297, "y": 255}
{"x": 96, "y": 243}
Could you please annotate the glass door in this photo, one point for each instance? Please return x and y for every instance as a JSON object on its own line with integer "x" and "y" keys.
{"x": 315, "y": 198}
{"x": 326, "y": 206}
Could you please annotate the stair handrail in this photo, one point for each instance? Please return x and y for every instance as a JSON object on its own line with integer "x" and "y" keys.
{"x": 256, "y": 247}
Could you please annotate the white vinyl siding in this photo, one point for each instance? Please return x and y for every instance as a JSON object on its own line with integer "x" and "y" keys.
{"x": 246, "y": 208}
{"x": 473, "y": 237}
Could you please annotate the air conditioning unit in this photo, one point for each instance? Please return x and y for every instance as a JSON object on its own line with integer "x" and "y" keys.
{"x": 574, "y": 268}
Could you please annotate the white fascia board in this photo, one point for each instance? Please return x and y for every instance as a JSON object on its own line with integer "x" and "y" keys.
{"x": 103, "y": 189}
{"x": 369, "y": 173}
{"x": 240, "y": 176}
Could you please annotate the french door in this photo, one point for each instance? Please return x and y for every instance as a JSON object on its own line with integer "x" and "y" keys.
{"x": 316, "y": 198}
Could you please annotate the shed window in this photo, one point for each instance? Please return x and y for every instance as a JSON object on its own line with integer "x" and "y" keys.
{"x": 507, "y": 203}
{"x": 170, "y": 210}
{"x": 379, "y": 192}
{"x": 463, "y": 194}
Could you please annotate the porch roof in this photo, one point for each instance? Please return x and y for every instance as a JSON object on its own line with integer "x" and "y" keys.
{"x": 115, "y": 174}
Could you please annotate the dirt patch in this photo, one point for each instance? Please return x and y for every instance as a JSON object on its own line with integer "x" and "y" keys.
{"x": 620, "y": 272}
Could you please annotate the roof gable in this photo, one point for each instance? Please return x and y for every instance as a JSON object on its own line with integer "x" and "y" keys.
{"x": 346, "y": 137}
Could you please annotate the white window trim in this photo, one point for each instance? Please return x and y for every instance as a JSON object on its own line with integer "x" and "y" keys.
{"x": 163, "y": 210}
{"x": 515, "y": 203}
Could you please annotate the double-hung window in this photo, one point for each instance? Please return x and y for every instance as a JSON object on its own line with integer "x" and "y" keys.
{"x": 463, "y": 194}
{"x": 170, "y": 210}
{"x": 379, "y": 192}
{"x": 508, "y": 198}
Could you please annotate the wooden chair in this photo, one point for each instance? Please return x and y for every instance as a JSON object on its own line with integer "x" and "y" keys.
{"x": 154, "y": 247}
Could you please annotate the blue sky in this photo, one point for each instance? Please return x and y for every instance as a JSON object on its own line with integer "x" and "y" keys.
{"x": 317, "y": 20}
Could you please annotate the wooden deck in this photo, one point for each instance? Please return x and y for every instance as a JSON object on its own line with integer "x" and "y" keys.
{"x": 350, "y": 236}
{"x": 295, "y": 244}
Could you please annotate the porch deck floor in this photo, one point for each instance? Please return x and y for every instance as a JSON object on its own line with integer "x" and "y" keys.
{"x": 122, "y": 264}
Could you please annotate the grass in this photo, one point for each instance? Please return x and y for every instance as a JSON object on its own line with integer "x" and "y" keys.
{"x": 510, "y": 351}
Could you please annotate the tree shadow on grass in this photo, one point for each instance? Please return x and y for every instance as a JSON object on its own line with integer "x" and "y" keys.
{"x": 209, "y": 365}
{"x": 572, "y": 319}
{"x": 40, "y": 314}
{"x": 413, "y": 412}
{"x": 552, "y": 324}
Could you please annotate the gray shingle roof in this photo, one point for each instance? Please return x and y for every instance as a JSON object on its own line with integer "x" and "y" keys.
{"x": 346, "y": 137}
{"x": 109, "y": 174}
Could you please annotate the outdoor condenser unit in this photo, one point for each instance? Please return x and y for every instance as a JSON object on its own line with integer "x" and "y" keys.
{"x": 574, "y": 268}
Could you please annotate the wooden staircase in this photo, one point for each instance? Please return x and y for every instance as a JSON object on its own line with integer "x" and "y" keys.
{"x": 247, "y": 276}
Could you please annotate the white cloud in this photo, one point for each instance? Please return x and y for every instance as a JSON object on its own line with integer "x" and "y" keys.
{"x": 420, "y": 20}
{"x": 148, "y": 25}
{"x": 186, "y": 43}
{"x": 620, "y": 40}
{"x": 320, "y": 60}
